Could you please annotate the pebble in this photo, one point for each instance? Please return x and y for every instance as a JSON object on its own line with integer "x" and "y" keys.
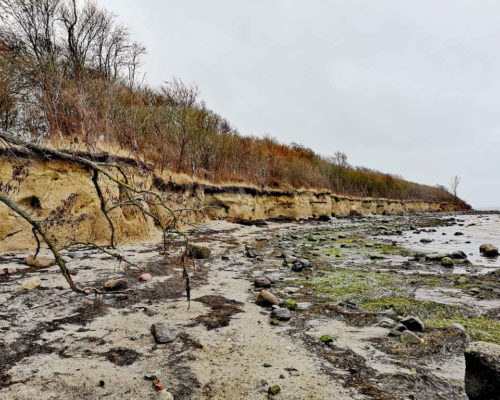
{"x": 281, "y": 314}
{"x": 261, "y": 282}
{"x": 164, "y": 332}
{"x": 115, "y": 284}
{"x": 145, "y": 277}
{"x": 164, "y": 395}
{"x": 266, "y": 298}
{"x": 409, "y": 337}
{"x": 387, "y": 323}
{"x": 274, "y": 390}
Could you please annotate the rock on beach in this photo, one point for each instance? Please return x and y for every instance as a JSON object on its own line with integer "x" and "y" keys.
{"x": 482, "y": 371}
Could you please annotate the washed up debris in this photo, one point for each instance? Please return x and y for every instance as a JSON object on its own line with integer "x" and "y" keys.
{"x": 157, "y": 384}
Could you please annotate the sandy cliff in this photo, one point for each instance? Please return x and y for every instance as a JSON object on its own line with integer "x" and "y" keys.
{"x": 64, "y": 192}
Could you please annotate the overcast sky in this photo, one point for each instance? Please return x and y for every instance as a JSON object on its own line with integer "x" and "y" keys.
{"x": 406, "y": 87}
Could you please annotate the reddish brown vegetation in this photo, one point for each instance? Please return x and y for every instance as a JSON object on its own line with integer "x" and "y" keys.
{"x": 72, "y": 74}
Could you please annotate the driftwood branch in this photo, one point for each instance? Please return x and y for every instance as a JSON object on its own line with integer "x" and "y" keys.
{"x": 41, "y": 231}
{"x": 135, "y": 197}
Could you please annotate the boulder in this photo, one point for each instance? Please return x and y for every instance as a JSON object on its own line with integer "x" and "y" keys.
{"x": 413, "y": 324}
{"x": 290, "y": 304}
{"x": 164, "y": 332}
{"x": 425, "y": 240}
{"x": 261, "y": 282}
{"x": 482, "y": 371}
{"x": 409, "y": 338}
{"x": 113, "y": 285}
{"x": 198, "y": 252}
{"x": 458, "y": 255}
{"x": 447, "y": 262}
{"x": 31, "y": 284}
{"x": 488, "y": 250}
{"x": 40, "y": 261}
{"x": 266, "y": 299}
{"x": 281, "y": 314}
{"x": 433, "y": 257}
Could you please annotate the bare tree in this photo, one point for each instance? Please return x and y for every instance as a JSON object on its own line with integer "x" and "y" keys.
{"x": 182, "y": 112}
{"x": 455, "y": 181}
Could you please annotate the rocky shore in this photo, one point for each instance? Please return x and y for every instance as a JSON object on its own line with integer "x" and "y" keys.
{"x": 350, "y": 308}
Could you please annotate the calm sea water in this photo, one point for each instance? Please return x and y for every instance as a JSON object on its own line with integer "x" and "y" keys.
{"x": 476, "y": 229}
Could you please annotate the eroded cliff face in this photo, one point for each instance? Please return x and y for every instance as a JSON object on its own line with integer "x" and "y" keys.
{"x": 64, "y": 192}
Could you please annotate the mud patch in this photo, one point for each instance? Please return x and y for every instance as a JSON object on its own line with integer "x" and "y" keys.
{"x": 222, "y": 310}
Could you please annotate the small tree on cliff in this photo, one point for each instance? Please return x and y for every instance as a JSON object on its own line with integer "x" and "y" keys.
{"x": 455, "y": 181}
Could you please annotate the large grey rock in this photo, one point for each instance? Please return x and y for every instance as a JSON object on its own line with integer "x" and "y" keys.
{"x": 488, "y": 250}
{"x": 413, "y": 324}
{"x": 164, "y": 332}
{"x": 409, "y": 338}
{"x": 482, "y": 371}
{"x": 282, "y": 314}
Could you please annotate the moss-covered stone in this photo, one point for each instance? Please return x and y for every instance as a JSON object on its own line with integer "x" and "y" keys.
{"x": 290, "y": 304}
{"x": 326, "y": 339}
